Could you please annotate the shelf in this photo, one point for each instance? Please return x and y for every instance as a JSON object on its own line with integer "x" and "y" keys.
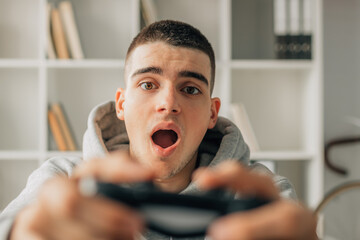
{"x": 88, "y": 63}
{"x": 104, "y": 63}
{"x": 281, "y": 155}
{"x": 19, "y": 155}
{"x": 14, "y": 63}
{"x": 63, "y": 154}
{"x": 34, "y": 155}
{"x": 272, "y": 64}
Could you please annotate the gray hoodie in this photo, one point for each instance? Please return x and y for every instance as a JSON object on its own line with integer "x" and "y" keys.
{"x": 106, "y": 133}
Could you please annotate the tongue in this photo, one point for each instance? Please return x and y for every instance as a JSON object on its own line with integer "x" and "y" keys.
{"x": 164, "y": 138}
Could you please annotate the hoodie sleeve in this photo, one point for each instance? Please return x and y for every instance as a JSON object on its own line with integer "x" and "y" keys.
{"x": 285, "y": 187}
{"x": 52, "y": 167}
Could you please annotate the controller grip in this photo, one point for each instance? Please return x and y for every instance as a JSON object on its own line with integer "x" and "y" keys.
{"x": 174, "y": 214}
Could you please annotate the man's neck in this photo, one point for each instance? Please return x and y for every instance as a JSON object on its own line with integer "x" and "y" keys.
{"x": 180, "y": 181}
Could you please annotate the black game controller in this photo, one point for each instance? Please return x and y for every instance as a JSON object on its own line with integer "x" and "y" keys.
{"x": 172, "y": 214}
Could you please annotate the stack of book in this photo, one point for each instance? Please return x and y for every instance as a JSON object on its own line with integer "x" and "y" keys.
{"x": 292, "y": 29}
{"x": 60, "y": 128}
{"x": 63, "y": 40}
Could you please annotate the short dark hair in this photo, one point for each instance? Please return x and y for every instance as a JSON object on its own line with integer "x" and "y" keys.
{"x": 177, "y": 34}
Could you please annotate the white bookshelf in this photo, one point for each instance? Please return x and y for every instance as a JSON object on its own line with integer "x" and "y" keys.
{"x": 271, "y": 64}
{"x": 282, "y": 155}
{"x": 86, "y": 64}
{"x": 283, "y": 97}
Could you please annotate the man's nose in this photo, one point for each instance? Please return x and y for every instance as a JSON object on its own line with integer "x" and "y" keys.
{"x": 168, "y": 102}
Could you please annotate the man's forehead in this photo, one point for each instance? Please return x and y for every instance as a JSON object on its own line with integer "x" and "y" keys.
{"x": 155, "y": 52}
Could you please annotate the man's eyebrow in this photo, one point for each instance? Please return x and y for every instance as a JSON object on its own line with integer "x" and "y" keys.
{"x": 155, "y": 70}
{"x": 195, "y": 75}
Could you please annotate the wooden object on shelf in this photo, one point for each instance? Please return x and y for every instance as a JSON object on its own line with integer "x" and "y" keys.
{"x": 242, "y": 121}
{"x": 56, "y": 131}
{"x": 64, "y": 125}
{"x": 58, "y": 35}
{"x": 70, "y": 29}
{"x": 148, "y": 11}
{"x": 50, "y": 50}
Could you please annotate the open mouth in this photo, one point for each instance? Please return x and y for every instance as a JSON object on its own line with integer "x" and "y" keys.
{"x": 165, "y": 138}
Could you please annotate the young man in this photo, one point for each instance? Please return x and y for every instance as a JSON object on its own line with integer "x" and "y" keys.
{"x": 166, "y": 127}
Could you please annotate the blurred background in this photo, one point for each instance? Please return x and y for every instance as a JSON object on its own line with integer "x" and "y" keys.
{"x": 287, "y": 73}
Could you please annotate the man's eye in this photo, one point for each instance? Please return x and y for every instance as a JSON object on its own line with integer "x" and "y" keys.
{"x": 191, "y": 90}
{"x": 147, "y": 85}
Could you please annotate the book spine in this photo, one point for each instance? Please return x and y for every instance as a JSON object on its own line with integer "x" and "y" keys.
{"x": 306, "y": 46}
{"x": 144, "y": 14}
{"x": 280, "y": 28}
{"x": 56, "y": 131}
{"x": 294, "y": 44}
{"x": 71, "y": 31}
{"x": 287, "y": 29}
{"x": 50, "y": 44}
{"x": 301, "y": 29}
{"x": 58, "y": 34}
{"x": 64, "y": 126}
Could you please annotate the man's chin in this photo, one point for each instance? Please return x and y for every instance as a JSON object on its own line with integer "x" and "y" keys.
{"x": 164, "y": 172}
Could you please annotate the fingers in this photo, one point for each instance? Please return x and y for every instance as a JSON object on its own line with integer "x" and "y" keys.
{"x": 118, "y": 167}
{"x": 26, "y": 225}
{"x": 232, "y": 175}
{"x": 81, "y": 217}
{"x": 280, "y": 219}
{"x": 110, "y": 219}
{"x": 61, "y": 212}
{"x": 291, "y": 222}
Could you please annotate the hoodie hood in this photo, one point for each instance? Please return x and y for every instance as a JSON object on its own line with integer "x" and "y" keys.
{"x": 106, "y": 133}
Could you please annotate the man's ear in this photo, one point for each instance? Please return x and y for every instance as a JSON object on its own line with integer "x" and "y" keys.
{"x": 215, "y": 108}
{"x": 119, "y": 103}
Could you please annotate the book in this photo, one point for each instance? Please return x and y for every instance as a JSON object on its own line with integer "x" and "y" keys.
{"x": 292, "y": 29}
{"x": 50, "y": 44}
{"x": 148, "y": 11}
{"x": 64, "y": 126}
{"x": 241, "y": 119}
{"x": 71, "y": 30}
{"x": 280, "y": 28}
{"x": 306, "y": 44}
{"x": 58, "y": 35}
{"x": 56, "y": 131}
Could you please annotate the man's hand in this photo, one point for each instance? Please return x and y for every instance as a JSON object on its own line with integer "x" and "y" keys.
{"x": 61, "y": 212}
{"x": 281, "y": 219}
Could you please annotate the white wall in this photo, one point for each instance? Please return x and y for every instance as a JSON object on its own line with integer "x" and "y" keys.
{"x": 342, "y": 99}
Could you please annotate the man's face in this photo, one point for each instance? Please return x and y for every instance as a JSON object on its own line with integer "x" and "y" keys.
{"x": 167, "y": 105}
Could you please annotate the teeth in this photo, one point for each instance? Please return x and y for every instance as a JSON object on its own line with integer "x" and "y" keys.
{"x": 165, "y": 138}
